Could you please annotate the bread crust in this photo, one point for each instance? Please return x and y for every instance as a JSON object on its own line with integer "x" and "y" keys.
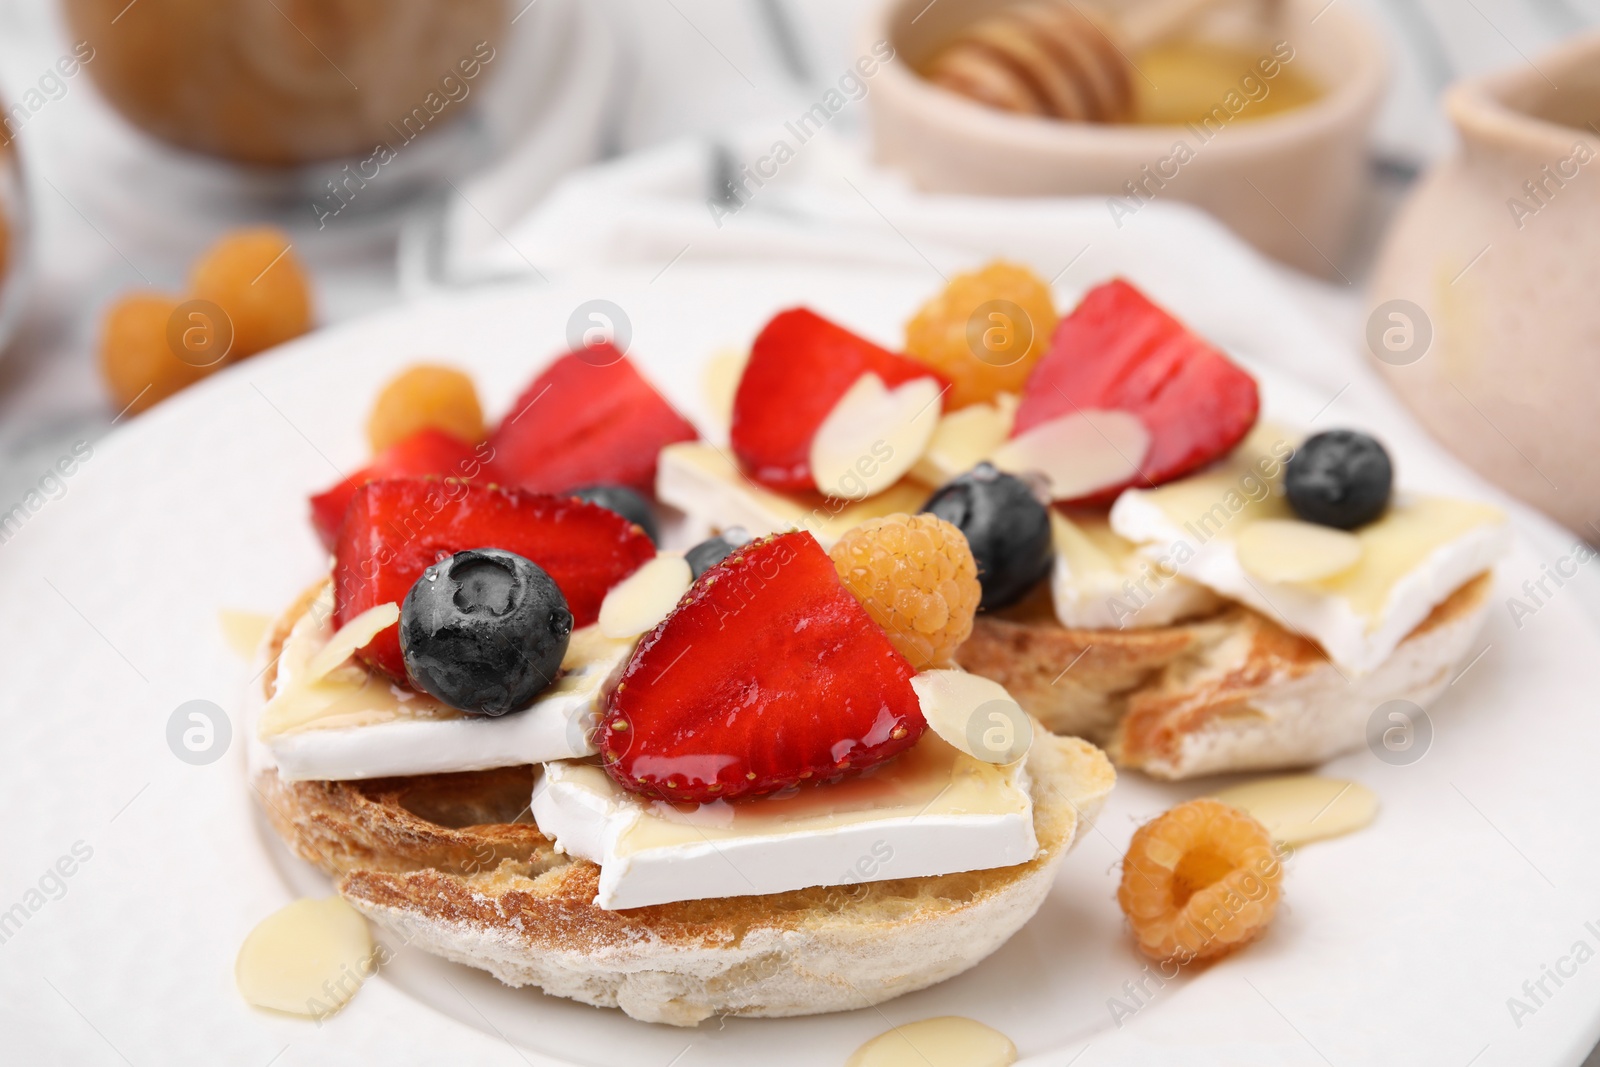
{"x": 1230, "y": 692}
{"x": 453, "y": 864}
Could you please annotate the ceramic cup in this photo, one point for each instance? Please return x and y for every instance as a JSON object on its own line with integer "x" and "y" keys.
{"x": 1482, "y": 310}
{"x": 247, "y": 80}
{"x": 1288, "y": 183}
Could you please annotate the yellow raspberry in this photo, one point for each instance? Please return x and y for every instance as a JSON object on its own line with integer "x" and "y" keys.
{"x": 1199, "y": 881}
{"x": 422, "y": 396}
{"x": 136, "y": 354}
{"x": 984, "y": 332}
{"x": 254, "y": 275}
{"x": 916, "y": 577}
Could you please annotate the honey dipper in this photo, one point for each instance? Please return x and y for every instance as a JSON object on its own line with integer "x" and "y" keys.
{"x": 1056, "y": 59}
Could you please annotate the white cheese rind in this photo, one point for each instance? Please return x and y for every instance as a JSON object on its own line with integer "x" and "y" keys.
{"x": 558, "y": 725}
{"x": 1105, "y": 583}
{"x": 589, "y": 817}
{"x": 700, "y": 483}
{"x": 1113, "y": 600}
{"x": 1354, "y": 641}
{"x": 554, "y": 729}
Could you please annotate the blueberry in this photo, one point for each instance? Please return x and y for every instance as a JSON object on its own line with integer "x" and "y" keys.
{"x": 1007, "y": 528}
{"x": 625, "y": 502}
{"x": 713, "y": 550}
{"x": 1339, "y": 478}
{"x": 484, "y": 631}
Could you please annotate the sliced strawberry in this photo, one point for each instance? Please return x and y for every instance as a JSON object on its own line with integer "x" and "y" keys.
{"x": 768, "y": 673}
{"x": 395, "y": 530}
{"x": 590, "y": 418}
{"x": 800, "y": 365}
{"x": 426, "y": 452}
{"x": 1118, "y": 351}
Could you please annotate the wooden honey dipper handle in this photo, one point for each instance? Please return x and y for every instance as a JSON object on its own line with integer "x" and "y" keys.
{"x": 1058, "y": 58}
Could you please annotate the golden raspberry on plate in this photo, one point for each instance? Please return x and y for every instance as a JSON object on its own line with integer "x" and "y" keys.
{"x": 422, "y": 396}
{"x": 984, "y": 332}
{"x": 917, "y": 579}
{"x": 1199, "y": 881}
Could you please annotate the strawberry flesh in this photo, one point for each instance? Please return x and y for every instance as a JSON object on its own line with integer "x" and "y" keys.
{"x": 591, "y": 418}
{"x": 395, "y": 530}
{"x": 426, "y": 452}
{"x": 1118, "y": 351}
{"x": 768, "y": 673}
{"x": 800, "y": 365}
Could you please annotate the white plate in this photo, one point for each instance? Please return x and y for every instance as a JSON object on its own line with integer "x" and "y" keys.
{"x": 1401, "y": 943}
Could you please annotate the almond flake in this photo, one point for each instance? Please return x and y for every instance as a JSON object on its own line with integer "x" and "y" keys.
{"x": 1080, "y": 453}
{"x": 873, "y": 436}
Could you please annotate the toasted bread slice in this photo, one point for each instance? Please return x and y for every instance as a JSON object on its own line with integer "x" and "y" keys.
{"x": 452, "y": 864}
{"x": 1230, "y": 692}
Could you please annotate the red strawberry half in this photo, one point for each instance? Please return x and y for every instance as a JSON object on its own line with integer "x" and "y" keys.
{"x": 767, "y": 674}
{"x": 800, "y": 365}
{"x": 395, "y": 530}
{"x": 1118, "y": 351}
{"x": 426, "y": 452}
{"x": 590, "y": 418}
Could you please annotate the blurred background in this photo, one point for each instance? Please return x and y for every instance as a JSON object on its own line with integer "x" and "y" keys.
{"x": 404, "y": 147}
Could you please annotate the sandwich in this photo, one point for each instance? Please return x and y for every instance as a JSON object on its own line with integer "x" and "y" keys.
{"x": 520, "y": 736}
{"x": 1165, "y": 573}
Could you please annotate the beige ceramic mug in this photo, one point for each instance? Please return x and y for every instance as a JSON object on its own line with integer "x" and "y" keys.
{"x": 1483, "y": 309}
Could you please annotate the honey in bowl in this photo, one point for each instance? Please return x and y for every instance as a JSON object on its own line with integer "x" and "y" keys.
{"x": 1055, "y": 59}
{"x": 1186, "y": 81}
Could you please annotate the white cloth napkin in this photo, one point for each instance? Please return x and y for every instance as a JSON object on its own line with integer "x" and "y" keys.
{"x": 828, "y": 204}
